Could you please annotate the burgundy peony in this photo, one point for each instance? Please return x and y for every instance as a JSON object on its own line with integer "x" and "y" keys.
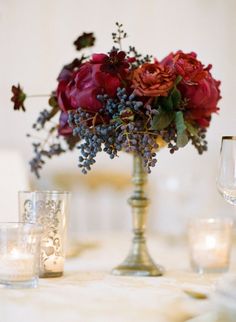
{"x": 82, "y": 88}
{"x": 197, "y": 87}
{"x": 202, "y": 99}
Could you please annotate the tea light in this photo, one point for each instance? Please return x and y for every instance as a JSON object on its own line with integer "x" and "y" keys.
{"x": 49, "y": 209}
{"x": 52, "y": 260}
{"x": 19, "y": 254}
{"x": 54, "y": 264}
{"x": 16, "y": 266}
{"x": 210, "y": 243}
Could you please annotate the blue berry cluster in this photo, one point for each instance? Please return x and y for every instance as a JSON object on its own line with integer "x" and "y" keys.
{"x": 109, "y": 131}
{"x": 101, "y": 137}
{"x": 37, "y": 162}
{"x": 123, "y": 101}
{"x": 135, "y": 140}
{"x": 41, "y": 120}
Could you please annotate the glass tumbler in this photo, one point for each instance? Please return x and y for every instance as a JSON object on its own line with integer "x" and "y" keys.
{"x": 210, "y": 242}
{"x": 50, "y": 210}
{"x": 19, "y": 254}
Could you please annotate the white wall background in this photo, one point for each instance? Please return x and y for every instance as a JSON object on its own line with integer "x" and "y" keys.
{"x": 36, "y": 40}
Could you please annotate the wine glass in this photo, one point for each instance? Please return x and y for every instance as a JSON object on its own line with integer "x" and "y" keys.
{"x": 226, "y": 181}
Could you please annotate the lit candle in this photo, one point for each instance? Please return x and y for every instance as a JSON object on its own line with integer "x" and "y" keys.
{"x": 210, "y": 252}
{"x": 54, "y": 264}
{"x": 52, "y": 259}
{"x": 16, "y": 266}
{"x": 210, "y": 241}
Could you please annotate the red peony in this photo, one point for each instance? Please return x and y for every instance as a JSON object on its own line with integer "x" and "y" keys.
{"x": 197, "y": 86}
{"x": 152, "y": 80}
{"x": 202, "y": 99}
{"x": 85, "y": 84}
{"x": 81, "y": 87}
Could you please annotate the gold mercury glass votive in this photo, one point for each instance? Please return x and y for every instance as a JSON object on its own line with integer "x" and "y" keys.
{"x": 19, "y": 254}
{"x": 210, "y": 244}
{"x": 50, "y": 210}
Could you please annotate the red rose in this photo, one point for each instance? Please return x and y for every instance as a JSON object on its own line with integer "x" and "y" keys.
{"x": 152, "y": 80}
{"x": 202, "y": 99}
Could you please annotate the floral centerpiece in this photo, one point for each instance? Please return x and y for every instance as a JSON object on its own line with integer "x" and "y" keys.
{"x": 124, "y": 101}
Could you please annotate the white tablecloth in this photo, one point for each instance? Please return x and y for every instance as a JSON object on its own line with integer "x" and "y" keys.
{"x": 88, "y": 293}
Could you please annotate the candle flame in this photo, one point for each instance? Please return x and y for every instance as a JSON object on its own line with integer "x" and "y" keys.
{"x": 210, "y": 242}
{"x": 15, "y": 252}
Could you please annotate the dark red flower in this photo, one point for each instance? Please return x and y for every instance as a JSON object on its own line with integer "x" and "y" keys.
{"x": 83, "y": 86}
{"x": 68, "y": 70}
{"x": 89, "y": 82}
{"x": 18, "y": 97}
{"x": 197, "y": 87}
{"x": 185, "y": 65}
{"x": 116, "y": 63}
{"x": 202, "y": 99}
{"x": 85, "y": 40}
{"x": 63, "y": 95}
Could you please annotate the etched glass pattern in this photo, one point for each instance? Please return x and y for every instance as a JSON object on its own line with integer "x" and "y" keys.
{"x": 48, "y": 209}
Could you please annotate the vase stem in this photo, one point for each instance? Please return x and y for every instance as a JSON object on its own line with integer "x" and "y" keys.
{"x": 138, "y": 261}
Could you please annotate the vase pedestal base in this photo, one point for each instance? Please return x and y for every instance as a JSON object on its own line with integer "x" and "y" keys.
{"x": 138, "y": 262}
{"x": 137, "y": 270}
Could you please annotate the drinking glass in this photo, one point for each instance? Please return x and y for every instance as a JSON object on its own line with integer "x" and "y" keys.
{"x": 226, "y": 181}
{"x": 19, "y": 254}
{"x": 49, "y": 209}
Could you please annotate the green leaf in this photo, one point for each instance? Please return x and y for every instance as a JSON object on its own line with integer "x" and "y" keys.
{"x": 170, "y": 102}
{"x": 182, "y": 139}
{"x": 179, "y": 121}
{"x": 175, "y": 97}
{"x": 166, "y": 103}
{"x": 161, "y": 120}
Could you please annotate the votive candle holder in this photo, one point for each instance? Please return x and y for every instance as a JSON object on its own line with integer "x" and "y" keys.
{"x": 19, "y": 254}
{"x": 49, "y": 209}
{"x": 210, "y": 242}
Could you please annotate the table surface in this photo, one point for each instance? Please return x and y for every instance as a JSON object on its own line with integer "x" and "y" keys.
{"x": 88, "y": 293}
